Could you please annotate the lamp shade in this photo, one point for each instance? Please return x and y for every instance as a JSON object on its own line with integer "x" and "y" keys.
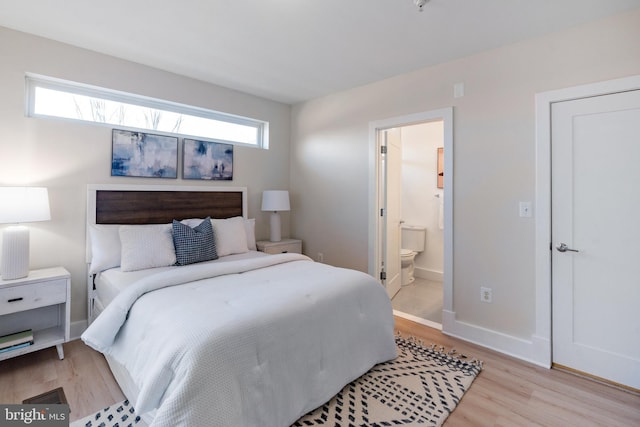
{"x": 275, "y": 200}
{"x": 17, "y": 205}
{"x": 24, "y": 204}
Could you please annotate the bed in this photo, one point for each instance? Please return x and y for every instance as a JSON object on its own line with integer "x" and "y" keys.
{"x": 244, "y": 339}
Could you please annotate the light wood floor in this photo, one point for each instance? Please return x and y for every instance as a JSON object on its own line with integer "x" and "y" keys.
{"x": 83, "y": 374}
{"x": 507, "y": 392}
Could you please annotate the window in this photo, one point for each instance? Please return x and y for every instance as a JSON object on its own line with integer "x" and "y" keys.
{"x": 48, "y": 97}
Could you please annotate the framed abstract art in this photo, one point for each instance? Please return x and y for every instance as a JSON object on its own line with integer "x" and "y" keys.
{"x": 143, "y": 154}
{"x": 207, "y": 160}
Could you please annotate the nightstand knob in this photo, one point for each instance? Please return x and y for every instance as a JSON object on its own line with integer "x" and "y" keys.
{"x": 15, "y": 299}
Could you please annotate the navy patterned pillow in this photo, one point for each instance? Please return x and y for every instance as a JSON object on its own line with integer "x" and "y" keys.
{"x": 194, "y": 244}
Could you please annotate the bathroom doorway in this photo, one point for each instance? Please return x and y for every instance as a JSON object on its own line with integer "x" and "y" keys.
{"x": 419, "y": 180}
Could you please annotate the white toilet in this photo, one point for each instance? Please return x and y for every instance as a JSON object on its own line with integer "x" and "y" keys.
{"x": 412, "y": 242}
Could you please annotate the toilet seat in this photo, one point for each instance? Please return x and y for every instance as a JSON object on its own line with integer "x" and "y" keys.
{"x": 406, "y": 252}
{"x": 412, "y": 242}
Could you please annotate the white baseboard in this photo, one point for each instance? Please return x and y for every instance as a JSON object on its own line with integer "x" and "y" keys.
{"x": 534, "y": 351}
{"x": 417, "y": 319}
{"x": 423, "y": 273}
{"x": 76, "y": 329}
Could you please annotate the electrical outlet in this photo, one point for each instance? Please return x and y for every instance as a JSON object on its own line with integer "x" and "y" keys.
{"x": 485, "y": 294}
{"x": 320, "y": 257}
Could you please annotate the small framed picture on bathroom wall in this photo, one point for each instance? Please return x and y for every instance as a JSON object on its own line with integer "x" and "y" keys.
{"x": 440, "y": 167}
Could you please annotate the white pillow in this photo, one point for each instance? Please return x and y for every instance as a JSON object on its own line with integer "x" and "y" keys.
{"x": 146, "y": 246}
{"x": 250, "y": 229}
{"x": 192, "y": 222}
{"x": 105, "y": 247}
{"x": 231, "y": 236}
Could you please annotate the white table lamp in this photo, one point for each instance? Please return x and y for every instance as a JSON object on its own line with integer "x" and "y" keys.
{"x": 275, "y": 201}
{"x": 18, "y": 205}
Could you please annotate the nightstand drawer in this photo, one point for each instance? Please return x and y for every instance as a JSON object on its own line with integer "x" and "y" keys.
{"x": 34, "y": 295}
{"x": 284, "y": 248}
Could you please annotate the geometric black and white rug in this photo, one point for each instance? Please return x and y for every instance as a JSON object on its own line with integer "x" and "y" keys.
{"x": 119, "y": 415}
{"x": 422, "y": 386}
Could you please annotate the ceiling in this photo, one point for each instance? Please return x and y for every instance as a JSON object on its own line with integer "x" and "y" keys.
{"x": 294, "y": 50}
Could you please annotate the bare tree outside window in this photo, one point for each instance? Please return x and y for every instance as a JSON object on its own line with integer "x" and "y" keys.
{"x": 98, "y": 108}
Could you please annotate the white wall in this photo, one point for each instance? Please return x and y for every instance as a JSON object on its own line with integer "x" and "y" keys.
{"x": 419, "y": 186}
{"x": 66, "y": 156}
{"x": 494, "y": 155}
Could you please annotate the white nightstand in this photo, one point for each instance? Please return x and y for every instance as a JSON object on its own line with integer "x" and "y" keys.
{"x": 281, "y": 247}
{"x": 41, "y": 302}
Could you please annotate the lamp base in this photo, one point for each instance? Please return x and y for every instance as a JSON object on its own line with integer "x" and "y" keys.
{"x": 15, "y": 252}
{"x": 275, "y": 234}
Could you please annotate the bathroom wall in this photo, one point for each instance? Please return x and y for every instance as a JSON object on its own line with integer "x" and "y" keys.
{"x": 420, "y": 206}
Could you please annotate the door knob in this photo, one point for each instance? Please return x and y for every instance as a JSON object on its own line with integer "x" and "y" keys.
{"x": 564, "y": 248}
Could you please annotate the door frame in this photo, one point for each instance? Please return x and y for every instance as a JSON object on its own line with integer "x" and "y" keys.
{"x": 392, "y": 267}
{"x": 543, "y": 101}
{"x": 375, "y": 240}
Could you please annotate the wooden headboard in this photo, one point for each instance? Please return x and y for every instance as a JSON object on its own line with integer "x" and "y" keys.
{"x": 160, "y": 204}
{"x": 156, "y": 204}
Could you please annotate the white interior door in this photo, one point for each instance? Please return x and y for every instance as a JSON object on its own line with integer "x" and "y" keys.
{"x": 393, "y": 209}
{"x": 595, "y": 206}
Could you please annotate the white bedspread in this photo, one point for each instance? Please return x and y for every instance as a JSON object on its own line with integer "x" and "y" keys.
{"x": 255, "y": 342}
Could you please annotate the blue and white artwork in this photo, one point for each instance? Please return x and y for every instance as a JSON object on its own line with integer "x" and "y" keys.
{"x": 207, "y": 160}
{"x": 144, "y": 155}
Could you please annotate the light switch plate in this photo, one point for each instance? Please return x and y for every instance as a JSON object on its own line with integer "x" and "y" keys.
{"x": 525, "y": 210}
{"x": 458, "y": 90}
